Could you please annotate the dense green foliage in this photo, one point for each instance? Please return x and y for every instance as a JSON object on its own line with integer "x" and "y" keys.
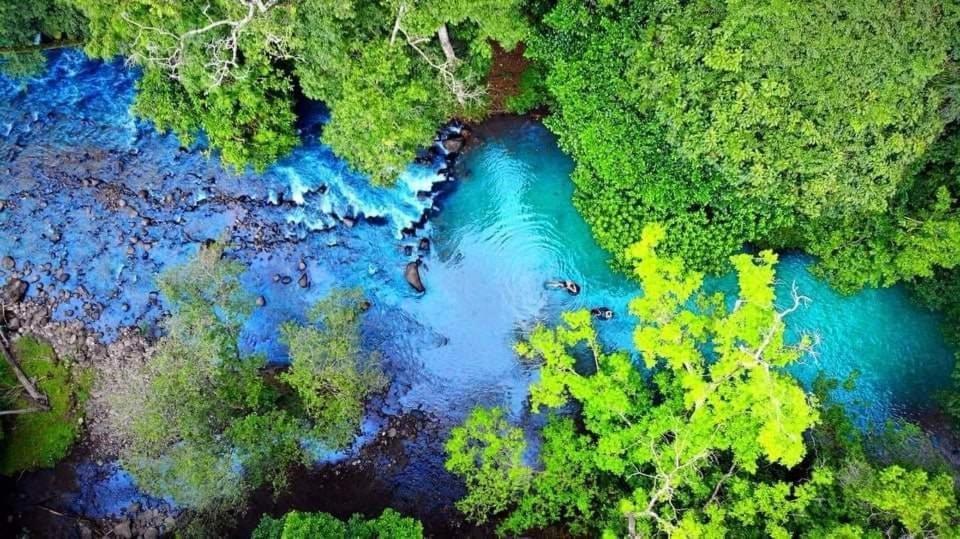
{"x": 297, "y": 525}
{"x": 231, "y": 69}
{"x": 785, "y": 124}
{"x": 40, "y": 439}
{"x": 714, "y": 443}
{"x": 27, "y": 27}
{"x": 488, "y": 453}
{"x": 328, "y": 368}
{"x": 206, "y": 425}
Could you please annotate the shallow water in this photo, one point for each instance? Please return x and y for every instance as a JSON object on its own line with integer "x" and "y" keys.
{"x": 503, "y": 229}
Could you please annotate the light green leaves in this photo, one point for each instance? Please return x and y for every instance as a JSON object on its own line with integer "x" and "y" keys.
{"x": 329, "y": 370}
{"x": 487, "y": 453}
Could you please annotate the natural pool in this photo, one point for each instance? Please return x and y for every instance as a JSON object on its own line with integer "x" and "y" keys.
{"x": 72, "y": 152}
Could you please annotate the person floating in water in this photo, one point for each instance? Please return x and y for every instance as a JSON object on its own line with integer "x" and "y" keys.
{"x": 603, "y": 313}
{"x": 571, "y": 287}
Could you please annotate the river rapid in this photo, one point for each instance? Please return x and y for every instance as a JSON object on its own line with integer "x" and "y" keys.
{"x": 96, "y": 204}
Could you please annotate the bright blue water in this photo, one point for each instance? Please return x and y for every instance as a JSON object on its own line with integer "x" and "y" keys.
{"x": 506, "y": 227}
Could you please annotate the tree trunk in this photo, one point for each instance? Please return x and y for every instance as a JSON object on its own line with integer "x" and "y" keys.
{"x": 22, "y": 411}
{"x": 447, "y": 46}
{"x": 37, "y": 397}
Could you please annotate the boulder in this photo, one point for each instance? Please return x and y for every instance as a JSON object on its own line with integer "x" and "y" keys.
{"x": 304, "y": 281}
{"x": 8, "y": 263}
{"x": 412, "y": 274}
{"x": 123, "y": 530}
{"x": 453, "y": 143}
{"x": 13, "y": 292}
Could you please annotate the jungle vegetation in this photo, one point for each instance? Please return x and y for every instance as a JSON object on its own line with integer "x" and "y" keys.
{"x": 698, "y": 127}
{"x": 36, "y": 436}
{"x": 206, "y": 424}
{"x": 719, "y": 441}
{"x": 297, "y": 525}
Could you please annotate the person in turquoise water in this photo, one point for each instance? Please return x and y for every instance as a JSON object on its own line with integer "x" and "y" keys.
{"x": 602, "y": 313}
{"x": 571, "y": 287}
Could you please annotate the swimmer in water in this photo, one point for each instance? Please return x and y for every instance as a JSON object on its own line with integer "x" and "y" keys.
{"x": 571, "y": 287}
{"x": 602, "y": 313}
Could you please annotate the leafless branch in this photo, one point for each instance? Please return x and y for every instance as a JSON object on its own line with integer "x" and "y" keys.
{"x": 223, "y": 50}
{"x": 39, "y": 398}
{"x": 23, "y": 411}
{"x": 462, "y": 91}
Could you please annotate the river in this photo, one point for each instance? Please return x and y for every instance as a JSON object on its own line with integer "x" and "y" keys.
{"x": 98, "y": 203}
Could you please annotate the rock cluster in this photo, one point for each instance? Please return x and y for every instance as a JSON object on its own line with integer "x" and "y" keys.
{"x": 138, "y": 522}
{"x": 72, "y": 341}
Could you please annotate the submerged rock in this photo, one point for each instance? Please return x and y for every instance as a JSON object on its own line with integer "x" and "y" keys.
{"x": 261, "y": 301}
{"x": 8, "y": 263}
{"x": 304, "y": 281}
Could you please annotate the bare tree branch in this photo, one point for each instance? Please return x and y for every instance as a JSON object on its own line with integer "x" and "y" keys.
{"x": 28, "y": 386}
{"x": 23, "y": 411}
{"x": 224, "y": 51}
{"x": 462, "y": 91}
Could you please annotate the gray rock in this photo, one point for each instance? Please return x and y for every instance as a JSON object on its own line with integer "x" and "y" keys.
{"x": 13, "y": 292}
{"x": 169, "y": 524}
{"x": 261, "y": 301}
{"x": 8, "y": 263}
{"x": 286, "y": 279}
{"x": 302, "y": 266}
{"x": 123, "y": 530}
{"x": 151, "y": 533}
{"x": 304, "y": 281}
{"x": 453, "y": 143}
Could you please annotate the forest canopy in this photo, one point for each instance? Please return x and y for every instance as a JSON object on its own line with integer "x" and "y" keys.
{"x": 815, "y": 125}
{"x": 391, "y": 72}
{"x": 719, "y": 441}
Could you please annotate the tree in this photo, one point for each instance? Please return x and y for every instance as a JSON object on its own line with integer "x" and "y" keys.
{"x": 786, "y": 125}
{"x": 389, "y": 71}
{"x": 487, "y": 452}
{"x": 204, "y": 424}
{"x": 710, "y": 441}
{"x": 329, "y": 370}
{"x": 209, "y": 66}
{"x": 297, "y": 525}
{"x": 28, "y": 28}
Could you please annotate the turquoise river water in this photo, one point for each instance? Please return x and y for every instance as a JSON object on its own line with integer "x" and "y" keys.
{"x": 72, "y": 150}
